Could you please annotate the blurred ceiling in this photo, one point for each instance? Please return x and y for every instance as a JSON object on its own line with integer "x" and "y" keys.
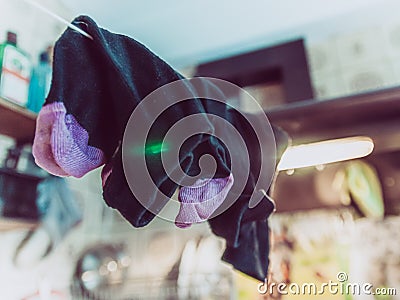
{"x": 188, "y": 32}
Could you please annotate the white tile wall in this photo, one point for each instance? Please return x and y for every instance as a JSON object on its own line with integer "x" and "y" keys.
{"x": 363, "y": 77}
{"x": 328, "y": 84}
{"x": 360, "y": 47}
{"x": 323, "y": 57}
{"x": 359, "y": 60}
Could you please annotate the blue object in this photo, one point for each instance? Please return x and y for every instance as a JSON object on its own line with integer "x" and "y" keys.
{"x": 40, "y": 83}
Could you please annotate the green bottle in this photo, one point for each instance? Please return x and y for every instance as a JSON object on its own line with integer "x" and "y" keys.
{"x": 15, "y": 71}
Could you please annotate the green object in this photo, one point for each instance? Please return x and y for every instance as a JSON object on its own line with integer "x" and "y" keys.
{"x": 156, "y": 148}
{"x": 15, "y": 72}
{"x": 365, "y": 189}
{"x": 152, "y": 148}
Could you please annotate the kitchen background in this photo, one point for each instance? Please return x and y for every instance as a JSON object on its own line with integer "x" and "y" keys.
{"x": 352, "y": 47}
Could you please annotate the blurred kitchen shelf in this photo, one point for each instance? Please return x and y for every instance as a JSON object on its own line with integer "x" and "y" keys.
{"x": 375, "y": 114}
{"x": 7, "y": 224}
{"x": 16, "y": 122}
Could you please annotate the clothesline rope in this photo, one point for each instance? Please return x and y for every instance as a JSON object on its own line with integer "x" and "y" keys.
{"x": 58, "y": 18}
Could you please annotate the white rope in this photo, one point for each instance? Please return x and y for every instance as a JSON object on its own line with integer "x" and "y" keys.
{"x": 58, "y": 18}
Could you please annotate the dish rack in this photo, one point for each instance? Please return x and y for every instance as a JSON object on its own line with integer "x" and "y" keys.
{"x": 190, "y": 287}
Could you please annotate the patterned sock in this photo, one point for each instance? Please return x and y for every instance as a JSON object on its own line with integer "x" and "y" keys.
{"x": 61, "y": 144}
{"x": 96, "y": 86}
{"x": 200, "y": 201}
{"x": 42, "y": 148}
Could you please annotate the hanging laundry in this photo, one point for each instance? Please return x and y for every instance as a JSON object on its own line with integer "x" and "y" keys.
{"x": 246, "y": 229}
{"x": 97, "y": 83}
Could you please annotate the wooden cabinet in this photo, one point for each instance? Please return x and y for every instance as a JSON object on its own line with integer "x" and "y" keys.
{"x": 19, "y": 124}
{"x": 16, "y": 122}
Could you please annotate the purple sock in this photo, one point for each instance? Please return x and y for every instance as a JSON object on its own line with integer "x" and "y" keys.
{"x": 200, "y": 201}
{"x": 68, "y": 142}
{"x": 41, "y": 148}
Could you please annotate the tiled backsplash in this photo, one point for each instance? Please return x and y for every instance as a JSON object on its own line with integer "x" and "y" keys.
{"x": 356, "y": 61}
